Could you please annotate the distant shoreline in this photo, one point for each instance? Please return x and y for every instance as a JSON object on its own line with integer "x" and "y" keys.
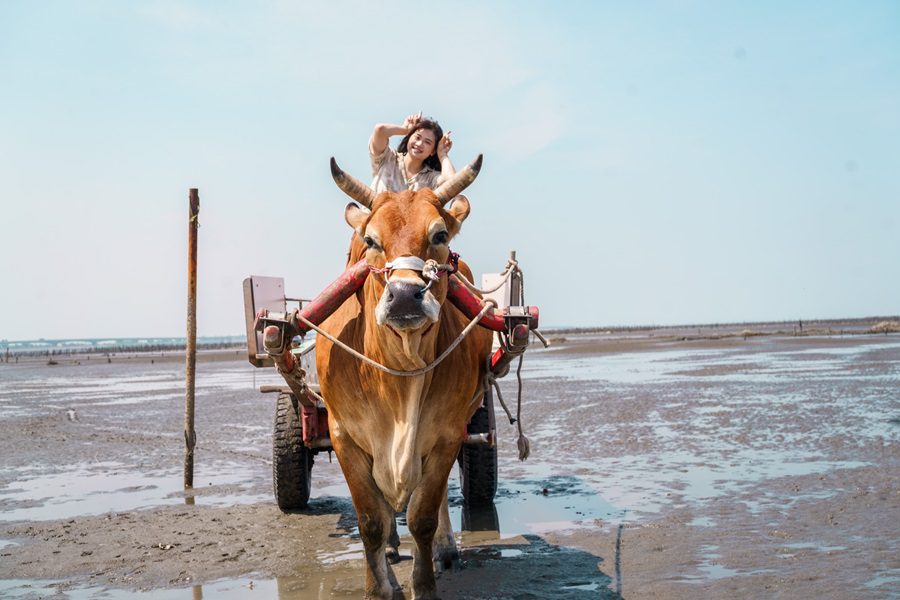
{"x": 856, "y": 325}
{"x": 166, "y": 347}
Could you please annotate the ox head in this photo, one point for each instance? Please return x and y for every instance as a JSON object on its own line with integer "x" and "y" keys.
{"x": 401, "y": 231}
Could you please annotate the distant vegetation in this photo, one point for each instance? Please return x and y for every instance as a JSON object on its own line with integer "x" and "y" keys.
{"x": 886, "y": 327}
{"x": 878, "y": 324}
{"x": 126, "y": 348}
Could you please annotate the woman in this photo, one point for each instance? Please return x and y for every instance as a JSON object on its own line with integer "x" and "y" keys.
{"x": 420, "y": 161}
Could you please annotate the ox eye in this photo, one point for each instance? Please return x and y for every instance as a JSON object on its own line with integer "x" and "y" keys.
{"x": 370, "y": 243}
{"x": 439, "y": 238}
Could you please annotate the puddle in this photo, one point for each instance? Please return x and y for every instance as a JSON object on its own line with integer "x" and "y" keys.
{"x": 315, "y": 585}
{"x": 521, "y": 507}
{"x": 552, "y": 504}
{"x": 716, "y": 571}
{"x": 610, "y": 488}
{"x": 353, "y": 551}
{"x": 731, "y": 364}
{"x": 814, "y": 546}
{"x": 884, "y": 580}
{"x": 26, "y": 588}
{"x": 587, "y": 587}
{"x": 107, "y": 385}
{"x": 710, "y": 568}
{"x": 99, "y": 488}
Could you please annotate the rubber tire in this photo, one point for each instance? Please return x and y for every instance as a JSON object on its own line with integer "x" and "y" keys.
{"x": 291, "y": 461}
{"x": 478, "y": 466}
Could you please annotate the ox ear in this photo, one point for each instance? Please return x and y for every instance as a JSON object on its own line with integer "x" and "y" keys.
{"x": 355, "y": 217}
{"x": 459, "y": 210}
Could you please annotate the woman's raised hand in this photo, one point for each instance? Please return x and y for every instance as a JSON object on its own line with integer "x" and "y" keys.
{"x": 411, "y": 121}
{"x": 444, "y": 146}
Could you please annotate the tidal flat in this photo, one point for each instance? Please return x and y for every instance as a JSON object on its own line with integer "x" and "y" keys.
{"x": 663, "y": 464}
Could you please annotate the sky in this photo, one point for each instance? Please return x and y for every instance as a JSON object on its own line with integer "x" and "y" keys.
{"x": 650, "y": 162}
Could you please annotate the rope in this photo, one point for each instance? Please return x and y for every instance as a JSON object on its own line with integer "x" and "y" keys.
{"x": 487, "y": 306}
{"x": 512, "y": 266}
{"x": 522, "y": 442}
{"x": 541, "y": 337}
{"x": 492, "y": 381}
{"x": 316, "y": 395}
{"x": 431, "y": 269}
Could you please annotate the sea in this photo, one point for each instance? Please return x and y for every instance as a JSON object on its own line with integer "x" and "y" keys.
{"x": 130, "y": 344}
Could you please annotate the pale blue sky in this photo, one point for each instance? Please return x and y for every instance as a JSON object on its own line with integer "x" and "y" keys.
{"x": 661, "y": 162}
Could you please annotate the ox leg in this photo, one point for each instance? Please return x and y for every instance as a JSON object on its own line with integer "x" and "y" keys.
{"x": 392, "y": 550}
{"x": 444, "y": 547}
{"x": 375, "y": 515}
{"x": 423, "y": 515}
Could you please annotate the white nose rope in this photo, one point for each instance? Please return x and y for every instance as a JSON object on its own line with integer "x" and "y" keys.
{"x": 430, "y": 269}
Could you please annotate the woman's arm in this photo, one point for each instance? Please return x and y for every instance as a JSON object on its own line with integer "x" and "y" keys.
{"x": 383, "y": 132}
{"x": 443, "y": 150}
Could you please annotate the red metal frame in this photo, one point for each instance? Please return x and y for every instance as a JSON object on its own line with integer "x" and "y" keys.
{"x": 470, "y": 305}
{"x": 331, "y": 298}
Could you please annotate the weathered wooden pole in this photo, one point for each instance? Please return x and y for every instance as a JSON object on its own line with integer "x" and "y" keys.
{"x": 190, "y": 437}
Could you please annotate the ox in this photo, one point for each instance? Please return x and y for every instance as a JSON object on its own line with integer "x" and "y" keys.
{"x": 396, "y": 437}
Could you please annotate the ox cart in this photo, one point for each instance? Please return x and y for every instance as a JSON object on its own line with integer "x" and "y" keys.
{"x": 279, "y": 336}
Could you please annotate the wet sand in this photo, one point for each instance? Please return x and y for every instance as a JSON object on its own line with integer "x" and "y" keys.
{"x": 665, "y": 464}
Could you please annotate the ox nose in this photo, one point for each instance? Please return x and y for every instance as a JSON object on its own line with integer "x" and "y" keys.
{"x": 404, "y": 301}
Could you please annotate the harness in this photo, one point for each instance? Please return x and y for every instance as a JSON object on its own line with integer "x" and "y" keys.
{"x": 431, "y": 269}
{"x": 514, "y": 325}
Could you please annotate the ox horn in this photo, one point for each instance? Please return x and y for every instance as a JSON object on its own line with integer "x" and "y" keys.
{"x": 352, "y": 186}
{"x": 456, "y": 184}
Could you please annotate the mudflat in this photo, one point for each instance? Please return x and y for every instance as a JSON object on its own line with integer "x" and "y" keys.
{"x": 664, "y": 464}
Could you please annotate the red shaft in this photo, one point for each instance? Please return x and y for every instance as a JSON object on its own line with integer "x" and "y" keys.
{"x": 471, "y": 305}
{"x": 334, "y": 295}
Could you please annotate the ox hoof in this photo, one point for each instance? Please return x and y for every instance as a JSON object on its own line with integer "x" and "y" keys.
{"x": 447, "y": 560}
{"x": 430, "y": 595}
{"x": 392, "y": 555}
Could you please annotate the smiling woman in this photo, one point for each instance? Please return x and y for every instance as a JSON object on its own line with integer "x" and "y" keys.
{"x": 420, "y": 161}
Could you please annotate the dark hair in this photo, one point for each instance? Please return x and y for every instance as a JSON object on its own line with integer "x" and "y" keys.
{"x": 431, "y": 125}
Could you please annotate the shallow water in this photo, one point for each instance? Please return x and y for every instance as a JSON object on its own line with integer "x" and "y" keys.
{"x": 616, "y": 439}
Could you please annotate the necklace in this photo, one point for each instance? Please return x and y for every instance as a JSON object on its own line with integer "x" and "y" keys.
{"x": 410, "y": 181}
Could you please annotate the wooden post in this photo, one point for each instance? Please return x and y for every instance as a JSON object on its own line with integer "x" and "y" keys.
{"x": 190, "y": 437}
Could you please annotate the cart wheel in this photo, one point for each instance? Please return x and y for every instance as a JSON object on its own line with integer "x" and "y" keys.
{"x": 291, "y": 461}
{"x": 478, "y": 464}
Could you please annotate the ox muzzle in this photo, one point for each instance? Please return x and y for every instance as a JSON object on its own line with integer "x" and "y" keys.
{"x": 407, "y": 302}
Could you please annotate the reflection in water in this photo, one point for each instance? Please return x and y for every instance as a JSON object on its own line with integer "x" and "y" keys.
{"x": 480, "y": 518}
{"x": 619, "y": 558}
{"x": 96, "y": 488}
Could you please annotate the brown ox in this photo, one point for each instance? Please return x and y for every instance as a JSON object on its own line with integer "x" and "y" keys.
{"x": 397, "y": 437}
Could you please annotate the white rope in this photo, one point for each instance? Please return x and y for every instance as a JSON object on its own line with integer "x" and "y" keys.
{"x": 488, "y": 304}
{"x": 511, "y": 267}
{"x": 539, "y": 336}
{"x": 316, "y": 395}
{"x": 523, "y": 444}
